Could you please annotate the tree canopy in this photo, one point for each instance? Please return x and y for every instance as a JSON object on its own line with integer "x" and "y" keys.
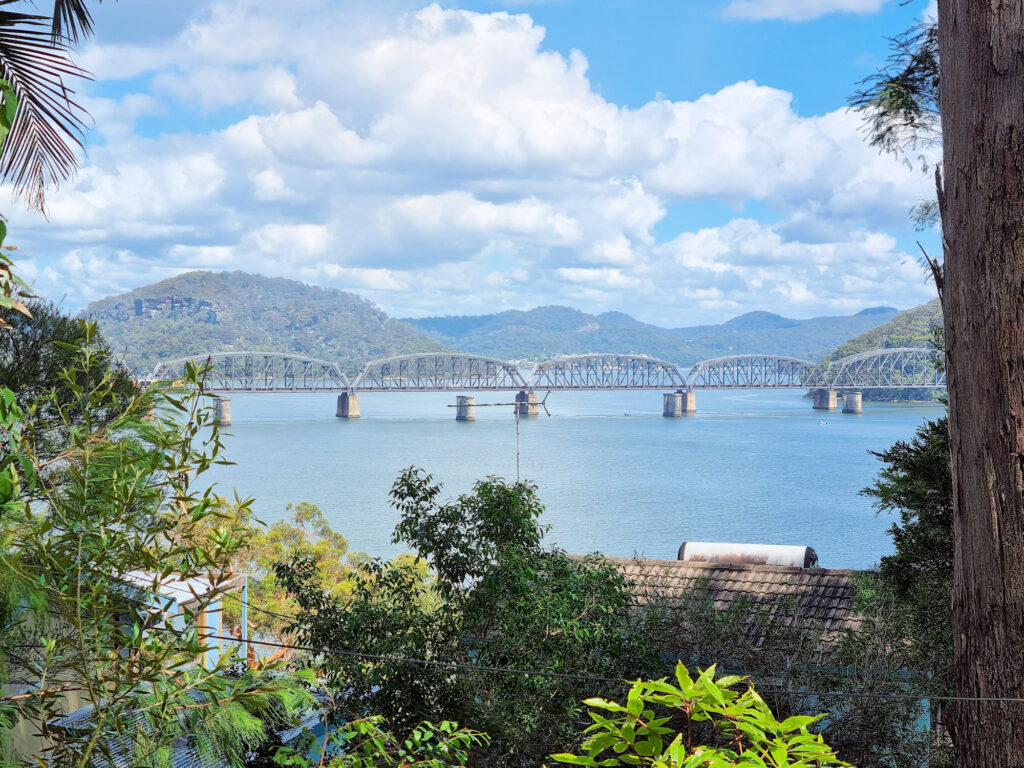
{"x": 494, "y": 597}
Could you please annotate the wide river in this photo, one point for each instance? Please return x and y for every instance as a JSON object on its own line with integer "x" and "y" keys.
{"x": 615, "y": 476}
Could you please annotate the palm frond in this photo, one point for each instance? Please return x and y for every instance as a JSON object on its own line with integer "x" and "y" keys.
{"x": 40, "y": 150}
{"x": 71, "y": 20}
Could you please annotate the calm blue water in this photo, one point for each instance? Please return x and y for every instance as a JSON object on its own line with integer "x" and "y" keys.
{"x": 749, "y": 466}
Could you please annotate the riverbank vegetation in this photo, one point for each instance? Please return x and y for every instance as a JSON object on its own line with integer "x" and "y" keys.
{"x": 916, "y": 327}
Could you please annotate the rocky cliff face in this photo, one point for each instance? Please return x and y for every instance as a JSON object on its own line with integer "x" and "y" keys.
{"x": 162, "y": 304}
{"x": 159, "y": 306}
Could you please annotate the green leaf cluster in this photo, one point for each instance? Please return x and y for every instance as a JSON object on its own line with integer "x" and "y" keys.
{"x": 800, "y": 665}
{"x": 900, "y": 102}
{"x": 697, "y": 722}
{"x": 304, "y": 533}
{"x": 366, "y": 743}
{"x": 14, "y": 291}
{"x": 38, "y": 349}
{"x": 915, "y": 483}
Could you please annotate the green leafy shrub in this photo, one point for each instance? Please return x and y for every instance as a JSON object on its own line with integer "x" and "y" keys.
{"x": 92, "y": 527}
{"x": 698, "y": 722}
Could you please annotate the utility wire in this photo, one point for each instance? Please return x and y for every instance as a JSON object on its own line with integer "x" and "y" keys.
{"x": 596, "y": 678}
{"x": 456, "y": 666}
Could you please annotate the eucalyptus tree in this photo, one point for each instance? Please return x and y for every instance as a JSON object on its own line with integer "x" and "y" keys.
{"x": 981, "y": 202}
{"x": 979, "y": 80}
{"x": 900, "y": 105}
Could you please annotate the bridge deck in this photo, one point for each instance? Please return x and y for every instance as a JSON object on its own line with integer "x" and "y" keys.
{"x": 899, "y": 368}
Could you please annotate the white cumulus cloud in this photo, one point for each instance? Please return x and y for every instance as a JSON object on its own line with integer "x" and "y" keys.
{"x": 446, "y": 161}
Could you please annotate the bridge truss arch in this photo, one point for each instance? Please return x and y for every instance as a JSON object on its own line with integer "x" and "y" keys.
{"x": 436, "y": 372}
{"x": 607, "y": 372}
{"x": 756, "y": 372}
{"x": 895, "y": 368}
{"x": 259, "y": 372}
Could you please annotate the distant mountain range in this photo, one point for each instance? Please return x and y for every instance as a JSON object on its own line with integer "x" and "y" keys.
{"x": 201, "y": 312}
{"x": 547, "y": 332}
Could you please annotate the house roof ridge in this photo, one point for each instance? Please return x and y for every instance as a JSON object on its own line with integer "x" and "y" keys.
{"x": 758, "y": 567}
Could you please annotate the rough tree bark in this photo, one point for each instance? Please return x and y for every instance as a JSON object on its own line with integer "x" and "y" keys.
{"x": 981, "y": 44}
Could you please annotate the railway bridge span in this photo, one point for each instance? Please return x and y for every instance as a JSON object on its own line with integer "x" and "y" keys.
{"x": 890, "y": 369}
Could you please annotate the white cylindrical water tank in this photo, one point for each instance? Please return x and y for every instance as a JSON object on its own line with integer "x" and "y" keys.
{"x": 754, "y": 554}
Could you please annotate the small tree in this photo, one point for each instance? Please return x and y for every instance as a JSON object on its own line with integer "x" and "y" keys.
{"x": 78, "y": 531}
{"x": 916, "y": 483}
{"x": 979, "y": 64}
{"x": 304, "y": 533}
{"x": 366, "y": 743}
{"x": 39, "y": 347}
{"x": 494, "y": 597}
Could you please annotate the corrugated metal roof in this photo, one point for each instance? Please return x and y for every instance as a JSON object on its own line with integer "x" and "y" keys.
{"x": 119, "y": 752}
{"x": 184, "y": 754}
{"x": 182, "y": 591}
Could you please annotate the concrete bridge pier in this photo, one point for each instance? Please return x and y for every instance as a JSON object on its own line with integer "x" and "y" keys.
{"x": 222, "y": 411}
{"x": 465, "y": 409}
{"x": 679, "y": 403}
{"x": 673, "y": 405}
{"x": 689, "y": 401}
{"x": 853, "y": 402}
{"x": 348, "y": 405}
{"x": 825, "y": 400}
{"x": 527, "y": 404}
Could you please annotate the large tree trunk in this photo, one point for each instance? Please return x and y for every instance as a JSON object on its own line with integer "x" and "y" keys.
{"x": 981, "y": 45}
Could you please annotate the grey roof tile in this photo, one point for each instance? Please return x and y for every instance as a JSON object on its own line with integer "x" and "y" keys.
{"x": 798, "y": 595}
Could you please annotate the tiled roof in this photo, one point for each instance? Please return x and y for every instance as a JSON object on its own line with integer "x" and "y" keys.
{"x": 818, "y": 597}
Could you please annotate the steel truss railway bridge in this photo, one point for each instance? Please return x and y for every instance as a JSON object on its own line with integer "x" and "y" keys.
{"x": 893, "y": 368}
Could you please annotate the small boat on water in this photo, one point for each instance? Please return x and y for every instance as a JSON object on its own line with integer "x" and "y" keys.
{"x": 822, "y": 422}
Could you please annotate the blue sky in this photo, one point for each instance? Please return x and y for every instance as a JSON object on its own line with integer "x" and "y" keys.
{"x": 680, "y": 161}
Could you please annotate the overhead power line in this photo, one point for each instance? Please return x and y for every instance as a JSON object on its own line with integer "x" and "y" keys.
{"x": 455, "y": 666}
{"x": 478, "y": 668}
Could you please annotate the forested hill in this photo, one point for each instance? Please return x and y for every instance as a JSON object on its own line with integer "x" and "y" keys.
{"x": 201, "y": 312}
{"x": 913, "y": 328}
{"x": 550, "y": 331}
